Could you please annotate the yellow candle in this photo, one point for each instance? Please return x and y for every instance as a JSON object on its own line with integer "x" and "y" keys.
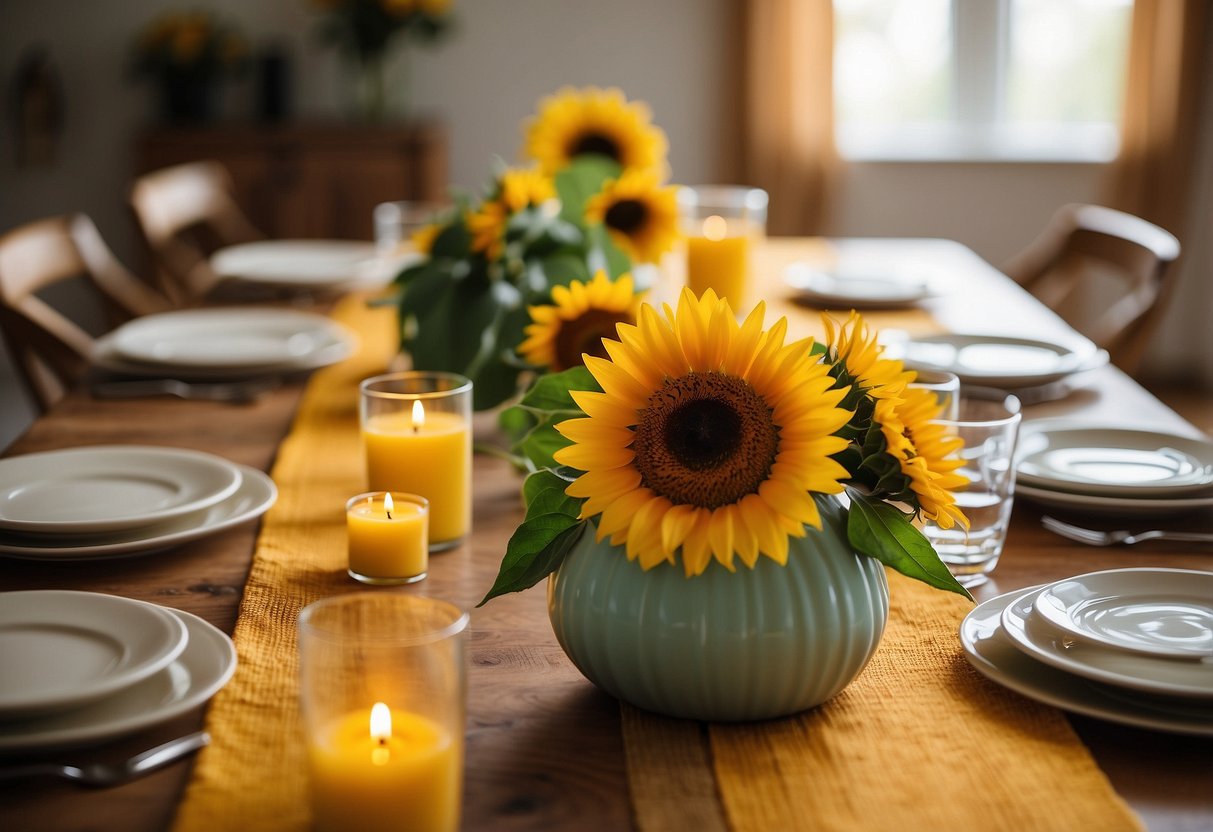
{"x": 387, "y": 537}
{"x": 720, "y": 260}
{"x": 377, "y": 769}
{"x": 428, "y": 454}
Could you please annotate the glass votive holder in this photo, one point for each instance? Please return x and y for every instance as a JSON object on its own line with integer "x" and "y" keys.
{"x": 383, "y": 690}
{"x": 721, "y": 224}
{"x": 388, "y": 534}
{"x": 417, "y": 436}
{"x": 397, "y": 222}
{"x": 946, "y": 387}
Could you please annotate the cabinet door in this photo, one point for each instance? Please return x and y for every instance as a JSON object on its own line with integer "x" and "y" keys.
{"x": 339, "y": 189}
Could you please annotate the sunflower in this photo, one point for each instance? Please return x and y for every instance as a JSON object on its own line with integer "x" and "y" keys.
{"x": 708, "y": 435}
{"x": 925, "y": 453}
{"x": 516, "y": 189}
{"x": 855, "y": 348}
{"x": 573, "y": 123}
{"x": 575, "y": 324}
{"x": 423, "y": 238}
{"x": 641, "y": 216}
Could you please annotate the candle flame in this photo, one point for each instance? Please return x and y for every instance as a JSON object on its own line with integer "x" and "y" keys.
{"x": 381, "y": 722}
{"x": 389, "y": 507}
{"x": 715, "y": 228}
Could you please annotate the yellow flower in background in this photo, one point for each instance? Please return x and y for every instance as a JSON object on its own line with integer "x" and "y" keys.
{"x": 581, "y": 315}
{"x": 709, "y": 437}
{"x": 573, "y": 122}
{"x": 423, "y": 238}
{"x": 854, "y": 345}
{"x": 517, "y": 189}
{"x": 926, "y": 453}
{"x": 640, "y": 215}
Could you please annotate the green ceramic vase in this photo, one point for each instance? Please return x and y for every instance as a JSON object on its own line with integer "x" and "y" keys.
{"x": 723, "y": 646}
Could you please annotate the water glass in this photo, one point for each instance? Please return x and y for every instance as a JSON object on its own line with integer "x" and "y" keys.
{"x": 988, "y": 424}
{"x": 396, "y": 222}
{"x": 946, "y": 387}
{"x": 383, "y": 689}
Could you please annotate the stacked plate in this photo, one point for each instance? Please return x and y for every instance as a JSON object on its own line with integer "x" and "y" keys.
{"x": 83, "y": 667}
{"x": 223, "y": 343}
{"x": 999, "y": 360}
{"x": 1128, "y": 645}
{"x": 857, "y": 288}
{"x": 116, "y": 500}
{"x": 1094, "y": 468}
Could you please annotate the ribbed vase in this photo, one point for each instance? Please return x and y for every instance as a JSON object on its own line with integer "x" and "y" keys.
{"x": 723, "y": 646}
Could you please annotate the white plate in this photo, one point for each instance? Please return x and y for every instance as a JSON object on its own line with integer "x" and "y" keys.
{"x": 61, "y": 649}
{"x": 252, "y": 499}
{"x": 995, "y": 656}
{"x": 1145, "y": 674}
{"x": 1160, "y": 612}
{"x": 305, "y": 264}
{"x": 105, "y": 488}
{"x": 854, "y": 289}
{"x": 1118, "y": 506}
{"x": 998, "y": 361}
{"x": 228, "y": 338}
{"x": 194, "y": 677}
{"x": 1113, "y": 461}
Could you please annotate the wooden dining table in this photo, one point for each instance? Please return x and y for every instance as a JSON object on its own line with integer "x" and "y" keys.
{"x": 544, "y": 747}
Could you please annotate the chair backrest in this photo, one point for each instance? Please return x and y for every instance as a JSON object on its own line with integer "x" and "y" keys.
{"x": 1104, "y": 272}
{"x": 49, "y": 349}
{"x": 186, "y": 212}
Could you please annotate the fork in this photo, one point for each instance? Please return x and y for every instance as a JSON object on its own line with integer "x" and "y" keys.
{"x": 113, "y": 774}
{"x": 1095, "y": 537}
{"x": 221, "y": 391}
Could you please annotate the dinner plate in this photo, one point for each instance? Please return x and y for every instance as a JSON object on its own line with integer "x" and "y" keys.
{"x": 105, "y": 488}
{"x": 252, "y": 499}
{"x": 202, "y": 669}
{"x": 1145, "y": 674}
{"x": 1118, "y": 506}
{"x": 996, "y": 360}
{"x": 61, "y": 649}
{"x": 1159, "y": 612}
{"x": 854, "y": 289}
{"x": 1113, "y": 461}
{"x": 304, "y": 264}
{"x": 231, "y": 338}
{"x": 996, "y": 657}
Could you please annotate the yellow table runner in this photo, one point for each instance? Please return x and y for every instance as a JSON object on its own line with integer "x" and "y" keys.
{"x": 918, "y": 741}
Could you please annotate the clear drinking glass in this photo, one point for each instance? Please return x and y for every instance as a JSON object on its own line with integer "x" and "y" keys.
{"x": 722, "y": 224}
{"x": 396, "y": 222}
{"x": 989, "y": 426}
{"x": 946, "y": 387}
{"x": 383, "y": 689}
{"x": 417, "y": 435}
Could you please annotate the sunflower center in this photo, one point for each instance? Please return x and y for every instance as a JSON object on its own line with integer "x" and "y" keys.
{"x": 595, "y": 143}
{"x": 627, "y": 216}
{"x": 705, "y": 439}
{"x": 584, "y": 334}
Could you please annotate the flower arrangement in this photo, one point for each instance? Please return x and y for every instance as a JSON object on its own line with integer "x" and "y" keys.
{"x": 365, "y": 30}
{"x": 558, "y": 239}
{"x": 699, "y": 440}
{"x": 197, "y": 43}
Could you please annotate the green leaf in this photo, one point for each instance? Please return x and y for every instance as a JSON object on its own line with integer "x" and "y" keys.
{"x": 535, "y": 551}
{"x": 579, "y": 181}
{"x": 551, "y": 391}
{"x": 880, "y": 531}
{"x": 544, "y": 494}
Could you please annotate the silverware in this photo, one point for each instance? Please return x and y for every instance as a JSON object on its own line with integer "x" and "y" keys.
{"x": 217, "y": 391}
{"x": 113, "y": 774}
{"x": 1095, "y": 537}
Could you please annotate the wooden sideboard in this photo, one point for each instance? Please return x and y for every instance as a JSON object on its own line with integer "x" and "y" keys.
{"x": 312, "y": 180}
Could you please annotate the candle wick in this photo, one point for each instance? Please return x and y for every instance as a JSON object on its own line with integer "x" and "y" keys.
{"x": 415, "y": 428}
{"x": 389, "y": 515}
{"x": 382, "y": 741}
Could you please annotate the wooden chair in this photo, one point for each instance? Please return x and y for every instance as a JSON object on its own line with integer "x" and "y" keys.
{"x": 1104, "y": 272}
{"x": 49, "y": 349}
{"x": 186, "y": 212}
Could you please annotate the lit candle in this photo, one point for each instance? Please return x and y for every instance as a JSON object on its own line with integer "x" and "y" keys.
{"x": 376, "y": 768}
{"x": 719, "y": 259}
{"x": 426, "y": 453}
{"x": 388, "y": 537}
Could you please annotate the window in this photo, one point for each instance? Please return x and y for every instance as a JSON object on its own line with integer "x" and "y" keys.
{"x": 980, "y": 79}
